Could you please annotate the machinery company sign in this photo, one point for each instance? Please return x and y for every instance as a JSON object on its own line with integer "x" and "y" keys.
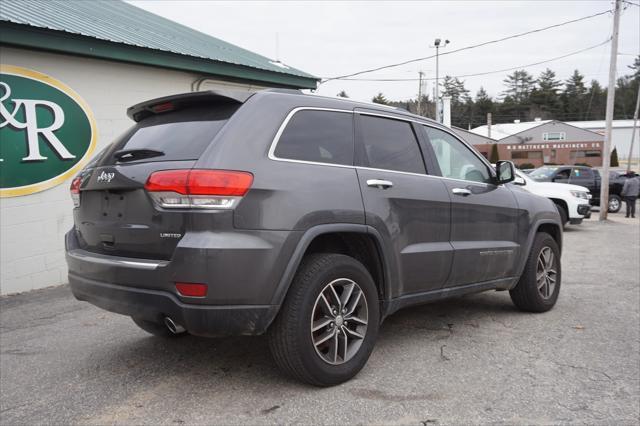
{"x": 47, "y": 131}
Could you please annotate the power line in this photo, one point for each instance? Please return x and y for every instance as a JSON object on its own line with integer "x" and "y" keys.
{"x": 341, "y": 77}
{"x": 488, "y": 72}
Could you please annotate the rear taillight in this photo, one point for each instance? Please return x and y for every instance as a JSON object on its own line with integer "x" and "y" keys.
{"x": 203, "y": 189}
{"x": 75, "y": 190}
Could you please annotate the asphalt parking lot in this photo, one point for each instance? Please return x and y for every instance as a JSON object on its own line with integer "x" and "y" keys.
{"x": 473, "y": 359}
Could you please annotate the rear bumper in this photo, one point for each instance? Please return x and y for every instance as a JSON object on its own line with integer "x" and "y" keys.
{"x": 154, "y": 305}
{"x": 241, "y": 270}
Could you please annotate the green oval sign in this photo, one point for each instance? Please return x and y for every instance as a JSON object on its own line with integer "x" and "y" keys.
{"x": 46, "y": 131}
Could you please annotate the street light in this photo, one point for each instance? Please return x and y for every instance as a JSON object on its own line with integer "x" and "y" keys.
{"x": 437, "y": 44}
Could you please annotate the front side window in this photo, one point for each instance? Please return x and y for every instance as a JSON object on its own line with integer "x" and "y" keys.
{"x": 456, "y": 161}
{"x": 390, "y": 144}
{"x": 318, "y": 136}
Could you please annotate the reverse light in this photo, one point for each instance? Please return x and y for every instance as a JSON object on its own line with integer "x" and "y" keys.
{"x": 200, "y": 189}
{"x": 75, "y": 190}
{"x": 191, "y": 289}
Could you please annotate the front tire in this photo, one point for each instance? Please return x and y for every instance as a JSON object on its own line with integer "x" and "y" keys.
{"x": 328, "y": 323}
{"x": 539, "y": 285}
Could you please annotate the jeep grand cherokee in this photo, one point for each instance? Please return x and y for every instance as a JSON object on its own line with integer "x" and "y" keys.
{"x": 307, "y": 218}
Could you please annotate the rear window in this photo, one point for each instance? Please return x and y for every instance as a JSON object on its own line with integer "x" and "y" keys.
{"x": 318, "y": 136}
{"x": 179, "y": 135}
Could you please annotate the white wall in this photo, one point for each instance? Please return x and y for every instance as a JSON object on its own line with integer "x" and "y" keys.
{"x": 32, "y": 227}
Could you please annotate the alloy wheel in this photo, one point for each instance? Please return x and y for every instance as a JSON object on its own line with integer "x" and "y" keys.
{"x": 546, "y": 272}
{"x": 614, "y": 204}
{"x": 339, "y": 321}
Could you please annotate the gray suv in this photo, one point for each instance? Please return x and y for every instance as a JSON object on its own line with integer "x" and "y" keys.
{"x": 307, "y": 218}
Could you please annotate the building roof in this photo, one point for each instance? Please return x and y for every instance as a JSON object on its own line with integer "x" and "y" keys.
{"x": 601, "y": 124}
{"x": 472, "y": 138}
{"x": 503, "y": 130}
{"x": 119, "y": 31}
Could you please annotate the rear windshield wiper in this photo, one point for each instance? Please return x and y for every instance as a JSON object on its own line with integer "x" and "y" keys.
{"x": 136, "y": 154}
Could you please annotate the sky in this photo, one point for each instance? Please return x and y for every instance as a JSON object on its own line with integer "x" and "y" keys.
{"x": 329, "y": 39}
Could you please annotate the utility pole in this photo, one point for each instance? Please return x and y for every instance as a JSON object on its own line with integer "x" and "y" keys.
{"x": 437, "y": 99}
{"x": 633, "y": 131}
{"x": 489, "y": 125}
{"x": 419, "y": 107}
{"x": 611, "y": 93}
{"x": 436, "y": 44}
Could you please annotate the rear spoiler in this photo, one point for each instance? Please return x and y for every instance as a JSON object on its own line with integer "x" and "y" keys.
{"x": 184, "y": 100}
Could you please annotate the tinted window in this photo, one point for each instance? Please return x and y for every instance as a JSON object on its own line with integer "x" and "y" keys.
{"x": 390, "y": 144}
{"x": 456, "y": 161}
{"x": 581, "y": 174}
{"x": 320, "y": 136}
{"x": 179, "y": 135}
{"x": 562, "y": 174}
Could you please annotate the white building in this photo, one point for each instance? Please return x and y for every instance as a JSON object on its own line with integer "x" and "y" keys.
{"x": 621, "y": 133}
{"x": 98, "y": 67}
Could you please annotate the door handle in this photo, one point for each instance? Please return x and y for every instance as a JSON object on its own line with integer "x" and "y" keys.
{"x": 461, "y": 191}
{"x": 379, "y": 183}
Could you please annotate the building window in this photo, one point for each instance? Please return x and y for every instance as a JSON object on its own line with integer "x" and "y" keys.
{"x": 593, "y": 154}
{"x": 554, "y": 136}
{"x": 526, "y": 155}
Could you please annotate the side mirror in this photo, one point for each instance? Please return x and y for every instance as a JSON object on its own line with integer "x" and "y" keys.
{"x": 505, "y": 172}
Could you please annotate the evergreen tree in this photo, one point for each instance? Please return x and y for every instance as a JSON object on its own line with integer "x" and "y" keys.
{"x": 494, "y": 157}
{"x": 380, "y": 99}
{"x": 597, "y": 104}
{"x": 574, "y": 97}
{"x": 342, "y": 94}
{"x": 516, "y": 98}
{"x": 519, "y": 86}
{"x": 614, "y": 158}
{"x": 454, "y": 88}
{"x": 544, "y": 97}
{"x": 482, "y": 105}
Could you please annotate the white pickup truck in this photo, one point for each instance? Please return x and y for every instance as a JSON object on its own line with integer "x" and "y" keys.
{"x": 572, "y": 201}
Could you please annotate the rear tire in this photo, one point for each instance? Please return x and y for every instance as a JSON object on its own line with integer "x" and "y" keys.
{"x": 615, "y": 203}
{"x": 155, "y": 328}
{"x": 539, "y": 285}
{"x": 333, "y": 353}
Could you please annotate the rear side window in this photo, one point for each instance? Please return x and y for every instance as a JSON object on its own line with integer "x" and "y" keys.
{"x": 390, "y": 144}
{"x": 319, "y": 136}
{"x": 581, "y": 174}
{"x": 179, "y": 135}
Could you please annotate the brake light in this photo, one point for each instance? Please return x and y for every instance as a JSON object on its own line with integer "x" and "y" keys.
{"x": 75, "y": 190}
{"x": 158, "y": 108}
{"x": 206, "y": 189}
{"x": 191, "y": 289}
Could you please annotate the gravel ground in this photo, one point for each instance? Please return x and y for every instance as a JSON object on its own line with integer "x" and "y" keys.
{"x": 473, "y": 359}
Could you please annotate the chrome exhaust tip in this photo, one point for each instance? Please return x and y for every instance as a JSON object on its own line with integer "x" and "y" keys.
{"x": 173, "y": 327}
